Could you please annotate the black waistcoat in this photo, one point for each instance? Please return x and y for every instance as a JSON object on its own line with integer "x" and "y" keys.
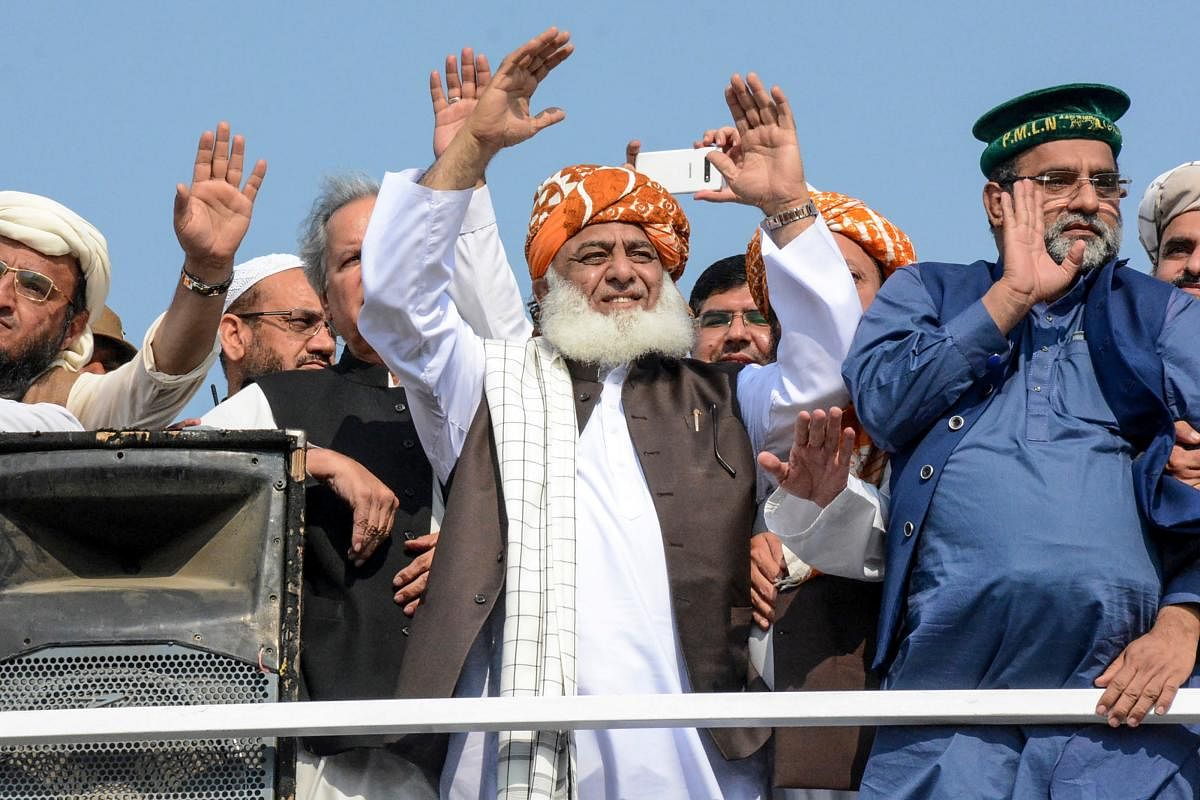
{"x": 353, "y": 635}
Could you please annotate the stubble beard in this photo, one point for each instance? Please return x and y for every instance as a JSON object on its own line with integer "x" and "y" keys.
{"x": 609, "y": 340}
{"x": 19, "y": 370}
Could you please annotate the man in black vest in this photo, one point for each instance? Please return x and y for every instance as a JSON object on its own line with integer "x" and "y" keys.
{"x": 600, "y": 445}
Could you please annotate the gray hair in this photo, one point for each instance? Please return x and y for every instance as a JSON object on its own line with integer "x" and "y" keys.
{"x": 336, "y": 191}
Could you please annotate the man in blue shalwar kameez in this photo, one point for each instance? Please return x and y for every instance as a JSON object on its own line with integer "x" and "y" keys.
{"x": 1019, "y": 552}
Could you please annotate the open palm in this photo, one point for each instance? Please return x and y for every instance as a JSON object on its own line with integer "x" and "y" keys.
{"x": 213, "y": 214}
{"x": 453, "y": 105}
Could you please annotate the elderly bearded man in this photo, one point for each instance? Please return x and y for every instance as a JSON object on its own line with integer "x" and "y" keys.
{"x": 599, "y": 445}
{"x": 1024, "y": 539}
{"x": 69, "y": 259}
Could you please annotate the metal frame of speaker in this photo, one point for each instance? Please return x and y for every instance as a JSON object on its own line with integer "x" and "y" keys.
{"x": 150, "y": 568}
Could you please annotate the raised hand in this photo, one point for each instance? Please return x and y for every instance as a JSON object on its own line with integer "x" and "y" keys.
{"x": 631, "y": 152}
{"x": 818, "y": 465}
{"x": 731, "y": 145}
{"x": 452, "y": 106}
{"x": 1029, "y": 271}
{"x": 502, "y": 115}
{"x": 213, "y": 214}
{"x": 765, "y": 169}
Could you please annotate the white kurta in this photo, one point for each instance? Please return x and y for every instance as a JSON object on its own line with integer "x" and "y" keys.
{"x": 18, "y": 417}
{"x": 627, "y": 636}
{"x": 136, "y": 394}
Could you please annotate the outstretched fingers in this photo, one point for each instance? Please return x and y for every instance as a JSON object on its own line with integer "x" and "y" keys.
{"x": 254, "y": 182}
{"x": 202, "y": 170}
{"x": 763, "y": 103}
{"x": 454, "y": 87}
{"x": 220, "y": 161}
{"x": 468, "y": 73}
{"x": 233, "y": 174}
{"x": 745, "y": 99}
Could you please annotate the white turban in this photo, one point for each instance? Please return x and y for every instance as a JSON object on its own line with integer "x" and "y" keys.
{"x": 1175, "y": 192}
{"x": 251, "y": 272}
{"x": 53, "y": 229}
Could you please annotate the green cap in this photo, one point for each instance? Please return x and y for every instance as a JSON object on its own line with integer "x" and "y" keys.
{"x": 1073, "y": 111}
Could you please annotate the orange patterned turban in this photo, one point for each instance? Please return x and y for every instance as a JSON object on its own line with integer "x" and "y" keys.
{"x": 888, "y": 245}
{"x": 585, "y": 194}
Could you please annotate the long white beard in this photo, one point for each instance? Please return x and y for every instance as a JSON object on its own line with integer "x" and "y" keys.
{"x": 1098, "y": 250}
{"x": 580, "y": 332}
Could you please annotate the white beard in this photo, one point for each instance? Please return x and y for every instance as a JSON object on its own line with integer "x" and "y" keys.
{"x": 609, "y": 340}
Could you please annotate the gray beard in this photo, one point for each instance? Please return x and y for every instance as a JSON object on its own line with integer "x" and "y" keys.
{"x": 1098, "y": 250}
{"x": 609, "y": 340}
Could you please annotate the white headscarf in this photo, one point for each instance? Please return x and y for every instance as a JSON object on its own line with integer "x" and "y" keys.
{"x": 1175, "y": 192}
{"x": 52, "y": 229}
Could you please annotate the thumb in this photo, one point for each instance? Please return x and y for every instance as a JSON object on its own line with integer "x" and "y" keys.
{"x": 426, "y": 542}
{"x": 775, "y": 468}
{"x": 1074, "y": 260}
{"x": 1112, "y": 670}
{"x": 548, "y": 117}
{"x": 181, "y": 200}
{"x": 723, "y": 163}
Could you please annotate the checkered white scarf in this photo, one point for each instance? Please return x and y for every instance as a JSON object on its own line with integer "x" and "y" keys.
{"x": 529, "y": 394}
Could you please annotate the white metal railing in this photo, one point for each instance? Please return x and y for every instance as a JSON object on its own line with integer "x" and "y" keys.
{"x": 373, "y": 717}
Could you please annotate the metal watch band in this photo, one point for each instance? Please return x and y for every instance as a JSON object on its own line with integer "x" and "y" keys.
{"x": 805, "y": 211}
{"x": 198, "y": 286}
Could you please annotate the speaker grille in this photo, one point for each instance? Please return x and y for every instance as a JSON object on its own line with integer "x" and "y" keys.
{"x": 135, "y": 675}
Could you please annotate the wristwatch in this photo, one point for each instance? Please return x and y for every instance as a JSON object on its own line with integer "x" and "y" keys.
{"x": 776, "y": 221}
{"x": 203, "y": 289}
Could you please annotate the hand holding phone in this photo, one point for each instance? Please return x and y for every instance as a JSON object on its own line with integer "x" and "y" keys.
{"x": 680, "y": 171}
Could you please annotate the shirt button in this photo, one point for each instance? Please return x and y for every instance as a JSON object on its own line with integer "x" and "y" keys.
{"x": 927, "y": 472}
{"x": 994, "y": 360}
{"x": 1037, "y": 388}
{"x": 955, "y": 422}
{"x": 409, "y": 493}
{"x": 1045, "y": 349}
{"x": 409, "y": 535}
{"x": 409, "y": 443}
{"x": 1050, "y": 318}
{"x": 988, "y": 389}
{"x": 583, "y": 397}
{"x": 500, "y": 557}
{"x": 480, "y": 599}
{"x": 404, "y": 630}
{"x": 909, "y": 528}
{"x": 400, "y": 408}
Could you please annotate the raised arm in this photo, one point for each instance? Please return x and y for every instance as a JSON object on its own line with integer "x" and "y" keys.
{"x": 812, "y": 292}
{"x": 432, "y": 257}
{"x": 211, "y": 216}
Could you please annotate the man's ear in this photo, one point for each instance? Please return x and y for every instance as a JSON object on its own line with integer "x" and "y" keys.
{"x": 232, "y": 337}
{"x": 992, "y": 192}
{"x": 540, "y": 287}
{"x": 75, "y": 329}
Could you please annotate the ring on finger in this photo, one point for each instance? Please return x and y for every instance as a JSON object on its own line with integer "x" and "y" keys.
{"x": 452, "y": 100}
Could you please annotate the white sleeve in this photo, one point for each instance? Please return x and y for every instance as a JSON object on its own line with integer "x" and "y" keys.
{"x": 482, "y": 284}
{"x": 136, "y": 394}
{"x": 410, "y": 316}
{"x": 813, "y": 294}
{"x": 18, "y": 417}
{"x": 245, "y": 411}
{"x": 845, "y": 538}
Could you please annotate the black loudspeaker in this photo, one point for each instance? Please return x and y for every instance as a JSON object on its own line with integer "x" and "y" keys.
{"x": 146, "y": 568}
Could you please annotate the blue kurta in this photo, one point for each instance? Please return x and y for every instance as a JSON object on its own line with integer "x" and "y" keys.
{"x": 1033, "y": 568}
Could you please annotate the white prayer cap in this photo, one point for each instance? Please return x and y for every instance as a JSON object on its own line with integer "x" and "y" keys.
{"x": 52, "y": 229}
{"x": 251, "y": 272}
{"x": 1175, "y": 192}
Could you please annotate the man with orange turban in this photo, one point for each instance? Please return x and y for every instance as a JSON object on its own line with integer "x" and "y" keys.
{"x": 597, "y": 531}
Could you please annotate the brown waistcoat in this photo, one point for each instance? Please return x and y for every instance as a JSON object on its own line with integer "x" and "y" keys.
{"x": 705, "y": 512}
{"x": 52, "y": 386}
{"x": 824, "y": 640}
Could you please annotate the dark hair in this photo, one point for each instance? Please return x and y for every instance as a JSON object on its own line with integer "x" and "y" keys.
{"x": 721, "y": 276}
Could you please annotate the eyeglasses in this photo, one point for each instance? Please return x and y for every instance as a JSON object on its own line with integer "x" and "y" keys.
{"x": 723, "y": 319}
{"x": 297, "y": 320}
{"x": 1065, "y": 182}
{"x": 34, "y": 285}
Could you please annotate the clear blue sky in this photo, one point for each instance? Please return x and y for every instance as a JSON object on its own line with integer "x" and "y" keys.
{"x": 103, "y": 103}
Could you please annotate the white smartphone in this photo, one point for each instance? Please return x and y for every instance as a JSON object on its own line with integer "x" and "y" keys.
{"x": 680, "y": 171}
